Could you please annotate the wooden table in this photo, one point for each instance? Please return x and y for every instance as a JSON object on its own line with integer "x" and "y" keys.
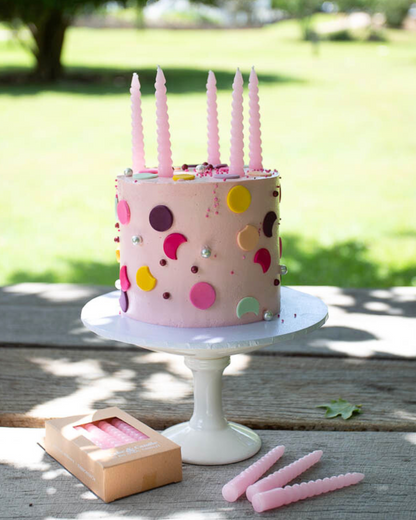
{"x": 52, "y": 366}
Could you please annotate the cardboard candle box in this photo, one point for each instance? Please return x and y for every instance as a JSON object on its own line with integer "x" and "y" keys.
{"x": 114, "y": 472}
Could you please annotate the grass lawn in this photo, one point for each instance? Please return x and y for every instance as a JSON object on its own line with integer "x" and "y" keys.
{"x": 340, "y": 126}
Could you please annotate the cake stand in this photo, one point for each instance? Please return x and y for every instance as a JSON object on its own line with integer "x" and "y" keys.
{"x": 208, "y": 438}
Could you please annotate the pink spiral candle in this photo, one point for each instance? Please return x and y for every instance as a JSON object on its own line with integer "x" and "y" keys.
{"x": 164, "y": 153}
{"x": 115, "y": 433}
{"x": 289, "y": 494}
{"x": 280, "y": 478}
{"x": 236, "y": 487}
{"x": 213, "y": 136}
{"x": 255, "y": 132}
{"x": 137, "y": 125}
{"x": 237, "y": 137}
{"x": 128, "y": 429}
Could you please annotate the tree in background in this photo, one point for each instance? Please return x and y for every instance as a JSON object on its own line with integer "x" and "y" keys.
{"x": 302, "y": 10}
{"x": 48, "y": 21}
{"x": 395, "y": 11}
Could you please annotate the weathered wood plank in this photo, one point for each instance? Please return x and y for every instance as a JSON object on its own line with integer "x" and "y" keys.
{"x": 48, "y": 315}
{"x": 266, "y": 392}
{"x": 35, "y": 486}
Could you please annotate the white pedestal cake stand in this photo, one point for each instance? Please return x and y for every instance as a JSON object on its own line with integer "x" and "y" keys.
{"x": 208, "y": 438}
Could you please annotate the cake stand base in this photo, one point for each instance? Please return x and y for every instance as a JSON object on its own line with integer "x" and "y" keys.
{"x": 208, "y": 438}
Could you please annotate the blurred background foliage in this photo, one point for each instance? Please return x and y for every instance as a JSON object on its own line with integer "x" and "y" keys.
{"x": 337, "y": 84}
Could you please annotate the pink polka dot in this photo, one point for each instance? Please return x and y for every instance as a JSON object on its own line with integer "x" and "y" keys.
{"x": 123, "y": 212}
{"x": 202, "y": 295}
{"x": 124, "y": 279}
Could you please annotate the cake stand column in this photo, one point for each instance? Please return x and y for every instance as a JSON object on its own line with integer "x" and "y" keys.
{"x": 208, "y": 438}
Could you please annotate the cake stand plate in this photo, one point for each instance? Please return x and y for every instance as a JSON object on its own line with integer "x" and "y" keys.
{"x": 208, "y": 438}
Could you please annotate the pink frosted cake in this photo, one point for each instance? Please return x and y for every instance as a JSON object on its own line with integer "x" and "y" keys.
{"x": 199, "y": 245}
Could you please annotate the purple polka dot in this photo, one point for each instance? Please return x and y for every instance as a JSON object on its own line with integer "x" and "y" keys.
{"x": 124, "y": 301}
{"x": 268, "y": 222}
{"x": 161, "y": 218}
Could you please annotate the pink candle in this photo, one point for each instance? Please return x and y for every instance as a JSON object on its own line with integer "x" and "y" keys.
{"x": 128, "y": 429}
{"x": 280, "y": 478}
{"x": 289, "y": 494}
{"x": 164, "y": 153}
{"x": 213, "y": 137}
{"x": 137, "y": 125}
{"x": 237, "y": 137}
{"x": 100, "y": 438}
{"x": 255, "y": 132}
{"x": 115, "y": 433}
{"x": 236, "y": 487}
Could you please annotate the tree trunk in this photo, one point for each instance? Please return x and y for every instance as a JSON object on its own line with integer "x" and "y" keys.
{"x": 48, "y": 33}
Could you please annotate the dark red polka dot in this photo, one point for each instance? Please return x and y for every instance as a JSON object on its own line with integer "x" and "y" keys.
{"x": 166, "y": 295}
{"x": 163, "y": 262}
{"x": 276, "y": 282}
{"x": 194, "y": 269}
{"x": 275, "y": 194}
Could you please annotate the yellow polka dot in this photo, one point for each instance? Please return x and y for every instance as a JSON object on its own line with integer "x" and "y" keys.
{"x": 247, "y": 238}
{"x": 118, "y": 254}
{"x": 183, "y": 177}
{"x": 144, "y": 279}
{"x": 238, "y": 199}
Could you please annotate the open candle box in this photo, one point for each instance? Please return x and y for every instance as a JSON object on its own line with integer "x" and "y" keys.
{"x": 112, "y": 453}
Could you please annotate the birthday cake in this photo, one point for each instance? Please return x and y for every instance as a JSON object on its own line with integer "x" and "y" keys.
{"x": 199, "y": 245}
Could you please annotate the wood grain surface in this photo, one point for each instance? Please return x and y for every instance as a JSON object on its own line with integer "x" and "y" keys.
{"x": 35, "y": 486}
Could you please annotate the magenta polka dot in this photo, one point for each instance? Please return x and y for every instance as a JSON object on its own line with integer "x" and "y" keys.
{"x": 202, "y": 295}
{"x": 124, "y": 279}
{"x": 123, "y": 212}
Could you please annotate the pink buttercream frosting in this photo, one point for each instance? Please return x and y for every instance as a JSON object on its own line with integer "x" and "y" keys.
{"x": 202, "y": 215}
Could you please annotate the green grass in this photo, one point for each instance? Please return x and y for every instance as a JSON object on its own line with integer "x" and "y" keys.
{"x": 340, "y": 126}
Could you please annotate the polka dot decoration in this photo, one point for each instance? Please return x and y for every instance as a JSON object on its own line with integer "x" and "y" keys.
{"x": 124, "y": 301}
{"x": 248, "y": 238}
{"x": 268, "y": 222}
{"x": 172, "y": 243}
{"x": 263, "y": 258}
{"x": 161, "y": 218}
{"x": 246, "y": 305}
{"x": 144, "y": 176}
{"x": 202, "y": 295}
{"x": 124, "y": 279}
{"x": 238, "y": 199}
{"x": 118, "y": 254}
{"x": 184, "y": 177}
{"x": 144, "y": 279}
{"x": 123, "y": 212}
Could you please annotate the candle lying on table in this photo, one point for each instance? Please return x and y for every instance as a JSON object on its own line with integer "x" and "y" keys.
{"x": 283, "y": 476}
{"x": 236, "y": 487}
{"x": 289, "y": 494}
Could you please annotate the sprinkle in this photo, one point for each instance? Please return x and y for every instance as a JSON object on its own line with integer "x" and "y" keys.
{"x": 163, "y": 262}
{"x": 166, "y": 295}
